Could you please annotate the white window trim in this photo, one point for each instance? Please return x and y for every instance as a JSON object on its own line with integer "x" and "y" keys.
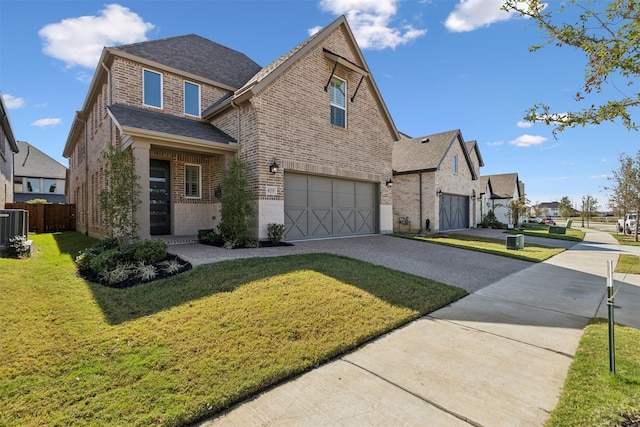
{"x": 184, "y": 98}
{"x": 338, "y": 106}
{"x": 199, "y": 196}
{"x": 161, "y": 107}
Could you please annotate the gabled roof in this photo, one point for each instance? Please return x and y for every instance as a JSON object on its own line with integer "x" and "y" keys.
{"x": 504, "y": 185}
{"x": 270, "y": 72}
{"x": 31, "y": 162}
{"x": 473, "y": 146}
{"x": 426, "y": 153}
{"x": 484, "y": 181}
{"x": 129, "y": 118}
{"x": 5, "y": 123}
{"x": 196, "y": 55}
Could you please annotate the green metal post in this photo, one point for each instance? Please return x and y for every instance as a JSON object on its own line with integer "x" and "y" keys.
{"x": 612, "y": 348}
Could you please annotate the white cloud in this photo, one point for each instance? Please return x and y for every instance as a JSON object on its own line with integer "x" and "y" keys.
{"x": 528, "y": 140}
{"x": 12, "y": 102}
{"x": 495, "y": 143}
{"x": 48, "y": 122}
{"x": 524, "y": 125}
{"x": 470, "y": 15}
{"x": 370, "y": 21}
{"x": 603, "y": 176}
{"x": 79, "y": 41}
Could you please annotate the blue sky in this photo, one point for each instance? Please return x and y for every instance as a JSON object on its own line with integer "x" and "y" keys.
{"x": 439, "y": 65}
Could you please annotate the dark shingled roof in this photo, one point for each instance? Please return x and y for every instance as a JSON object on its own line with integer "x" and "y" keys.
{"x": 199, "y": 56}
{"x": 423, "y": 153}
{"x": 133, "y": 117}
{"x": 31, "y": 162}
{"x": 504, "y": 185}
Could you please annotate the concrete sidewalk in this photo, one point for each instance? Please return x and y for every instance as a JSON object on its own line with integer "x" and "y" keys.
{"x": 498, "y": 357}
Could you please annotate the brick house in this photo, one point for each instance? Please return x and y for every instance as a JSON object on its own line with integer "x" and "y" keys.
{"x": 8, "y": 148}
{"x": 183, "y": 106}
{"x": 436, "y": 181}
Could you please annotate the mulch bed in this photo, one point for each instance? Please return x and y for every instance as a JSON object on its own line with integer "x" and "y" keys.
{"x": 92, "y": 276}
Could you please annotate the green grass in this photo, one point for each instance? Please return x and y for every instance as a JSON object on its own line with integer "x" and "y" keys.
{"x": 540, "y": 230}
{"x": 177, "y": 350}
{"x": 592, "y": 396}
{"x": 626, "y": 239}
{"x": 531, "y": 252}
{"x": 628, "y": 264}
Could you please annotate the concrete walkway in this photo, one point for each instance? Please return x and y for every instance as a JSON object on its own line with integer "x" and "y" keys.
{"x": 498, "y": 357}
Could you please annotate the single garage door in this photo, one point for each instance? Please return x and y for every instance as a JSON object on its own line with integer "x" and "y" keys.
{"x": 454, "y": 212}
{"x": 316, "y": 207}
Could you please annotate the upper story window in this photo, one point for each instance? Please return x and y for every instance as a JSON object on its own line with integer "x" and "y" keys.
{"x": 152, "y": 89}
{"x": 338, "y": 94}
{"x": 192, "y": 181}
{"x": 455, "y": 164}
{"x": 192, "y": 99}
{"x": 49, "y": 186}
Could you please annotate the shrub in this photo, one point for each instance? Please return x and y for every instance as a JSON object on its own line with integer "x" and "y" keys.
{"x": 18, "y": 247}
{"x": 209, "y": 237}
{"x": 146, "y": 272}
{"x": 148, "y": 251}
{"x": 170, "y": 266}
{"x": 105, "y": 261}
{"x": 276, "y": 233}
{"x": 118, "y": 274}
{"x": 237, "y": 215}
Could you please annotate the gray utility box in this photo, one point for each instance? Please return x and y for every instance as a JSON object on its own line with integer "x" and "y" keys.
{"x": 13, "y": 222}
{"x": 515, "y": 242}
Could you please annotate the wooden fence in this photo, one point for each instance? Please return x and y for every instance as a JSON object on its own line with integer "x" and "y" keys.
{"x": 48, "y": 218}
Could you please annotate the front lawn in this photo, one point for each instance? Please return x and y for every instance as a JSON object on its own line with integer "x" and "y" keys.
{"x": 592, "y": 396}
{"x": 531, "y": 252}
{"x": 180, "y": 349}
{"x": 572, "y": 234}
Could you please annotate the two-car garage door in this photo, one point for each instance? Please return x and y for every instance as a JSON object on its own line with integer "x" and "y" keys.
{"x": 316, "y": 207}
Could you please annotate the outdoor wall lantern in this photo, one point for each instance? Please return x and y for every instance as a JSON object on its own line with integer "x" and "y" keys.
{"x": 389, "y": 182}
{"x": 274, "y": 168}
{"x": 439, "y": 191}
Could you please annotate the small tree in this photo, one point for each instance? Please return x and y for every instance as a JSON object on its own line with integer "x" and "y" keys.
{"x": 120, "y": 196}
{"x": 625, "y": 185}
{"x": 564, "y": 207}
{"x": 517, "y": 207}
{"x": 237, "y": 211}
{"x": 589, "y": 207}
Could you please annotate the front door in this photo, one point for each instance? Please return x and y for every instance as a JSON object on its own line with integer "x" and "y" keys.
{"x": 160, "y": 208}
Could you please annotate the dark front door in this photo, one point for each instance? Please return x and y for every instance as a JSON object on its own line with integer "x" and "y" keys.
{"x": 160, "y": 208}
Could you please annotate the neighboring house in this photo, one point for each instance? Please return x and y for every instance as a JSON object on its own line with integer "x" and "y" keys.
{"x": 499, "y": 190}
{"x": 548, "y": 209}
{"x": 183, "y": 106}
{"x": 37, "y": 176}
{"x": 8, "y": 148}
{"x": 435, "y": 181}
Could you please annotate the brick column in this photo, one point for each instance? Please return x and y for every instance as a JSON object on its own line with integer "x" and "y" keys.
{"x": 141, "y": 158}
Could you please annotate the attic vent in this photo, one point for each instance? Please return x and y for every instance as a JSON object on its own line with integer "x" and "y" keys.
{"x": 425, "y": 140}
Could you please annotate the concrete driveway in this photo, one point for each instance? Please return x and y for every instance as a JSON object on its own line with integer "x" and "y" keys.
{"x": 466, "y": 269}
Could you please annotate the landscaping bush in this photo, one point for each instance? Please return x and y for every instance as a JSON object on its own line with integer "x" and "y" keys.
{"x": 128, "y": 265}
{"x": 276, "y": 233}
{"x": 210, "y": 237}
{"x": 18, "y": 247}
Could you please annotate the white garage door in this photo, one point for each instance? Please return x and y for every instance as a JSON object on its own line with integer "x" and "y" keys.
{"x": 316, "y": 207}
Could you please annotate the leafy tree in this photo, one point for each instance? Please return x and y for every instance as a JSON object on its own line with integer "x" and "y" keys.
{"x": 564, "y": 207}
{"x": 609, "y": 36}
{"x": 120, "y": 196}
{"x": 237, "y": 214}
{"x": 589, "y": 208}
{"x": 517, "y": 207}
{"x": 625, "y": 186}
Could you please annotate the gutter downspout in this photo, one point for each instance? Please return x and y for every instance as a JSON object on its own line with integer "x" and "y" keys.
{"x": 86, "y": 175}
{"x": 420, "y": 181}
{"x": 109, "y": 101}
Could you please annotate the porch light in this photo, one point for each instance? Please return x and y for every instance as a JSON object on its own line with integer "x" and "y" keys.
{"x": 274, "y": 168}
{"x": 389, "y": 182}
